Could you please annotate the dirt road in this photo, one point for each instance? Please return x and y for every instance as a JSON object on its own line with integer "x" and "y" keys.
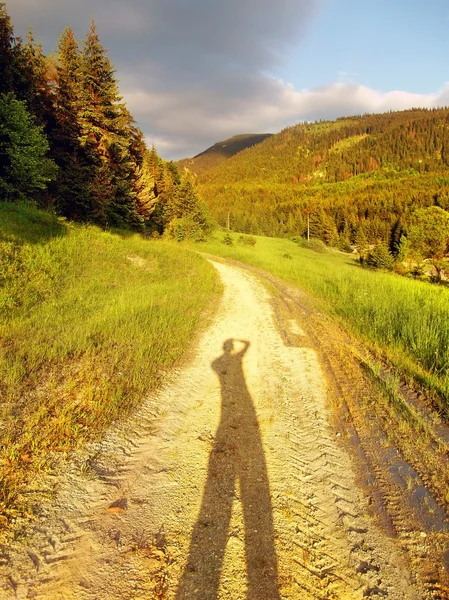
{"x": 233, "y": 482}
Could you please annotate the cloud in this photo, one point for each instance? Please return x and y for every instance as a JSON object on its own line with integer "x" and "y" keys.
{"x": 194, "y": 72}
{"x": 202, "y": 34}
{"x": 187, "y": 64}
{"x": 182, "y": 126}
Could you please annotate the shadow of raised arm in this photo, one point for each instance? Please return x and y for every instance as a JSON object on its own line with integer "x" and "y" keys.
{"x": 243, "y": 351}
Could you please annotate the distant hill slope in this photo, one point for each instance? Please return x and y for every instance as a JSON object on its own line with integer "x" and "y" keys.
{"x": 361, "y": 175}
{"x": 221, "y": 151}
{"x": 330, "y": 151}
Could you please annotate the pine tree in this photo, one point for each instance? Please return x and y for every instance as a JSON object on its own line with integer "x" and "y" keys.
{"x": 32, "y": 82}
{"x": 68, "y": 89}
{"x": 143, "y": 186}
{"x": 445, "y": 148}
{"x": 7, "y": 53}
{"x": 71, "y": 189}
{"x": 143, "y": 181}
{"x": 24, "y": 70}
{"x": 186, "y": 214}
{"x": 361, "y": 243}
{"x": 403, "y": 250}
{"x": 24, "y": 166}
{"x": 106, "y": 131}
{"x": 397, "y": 231}
{"x": 164, "y": 189}
{"x": 380, "y": 257}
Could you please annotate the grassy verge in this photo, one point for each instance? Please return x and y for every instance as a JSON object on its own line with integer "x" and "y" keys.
{"x": 408, "y": 320}
{"x": 89, "y": 321}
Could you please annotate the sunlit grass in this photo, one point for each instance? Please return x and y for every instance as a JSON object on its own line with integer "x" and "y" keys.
{"x": 407, "y": 319}
{"x": 89, "y": 323}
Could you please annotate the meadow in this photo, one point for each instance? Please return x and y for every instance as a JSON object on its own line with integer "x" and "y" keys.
{"x": 404, "y": 320}
{"x": 89, "y": 323}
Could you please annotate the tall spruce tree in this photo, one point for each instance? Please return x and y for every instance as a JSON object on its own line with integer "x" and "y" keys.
{"x": 24, "y": 70}
{"x": 34, "y": 86}
{"x": 24, "y": 166}
{"x": 106, "y": 129}
{"x": 71, "y": 189}
{"x": 143, "y": 186}
{"x": 7, "y": 52}
{"x": 164, "y": 189}
{"x": 186, "y": 215}
{"x": 143, "y": 182}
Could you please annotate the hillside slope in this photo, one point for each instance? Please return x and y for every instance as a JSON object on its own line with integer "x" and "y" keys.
{"x": 358, "y": 173}
{"x": 332, "y": 151}
{"x": 221, "y": 151}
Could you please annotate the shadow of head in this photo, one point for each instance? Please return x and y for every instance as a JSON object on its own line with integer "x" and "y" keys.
{"x": 228, "y": 346}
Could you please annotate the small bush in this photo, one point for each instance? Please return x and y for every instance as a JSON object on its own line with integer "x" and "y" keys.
{"x": 418, "y": 271}
{"x": 380, "y": 257}
{"x": 314, "y": 244}
{"x": 302, "y": 242}
{"x": 227, "y": 240}
{"x": 247, "y": 240}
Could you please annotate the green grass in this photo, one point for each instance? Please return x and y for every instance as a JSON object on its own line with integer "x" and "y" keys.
{"x": 346, "y": 143}
{"x": 89, "y": 322}
{"x": 407, "y": 319}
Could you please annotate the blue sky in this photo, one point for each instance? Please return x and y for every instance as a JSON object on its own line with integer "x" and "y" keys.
{"x": 194, "y": 72}
{"x": 382, "y": 44}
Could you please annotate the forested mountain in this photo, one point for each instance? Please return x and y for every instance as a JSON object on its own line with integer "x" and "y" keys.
{"x": 357, "y": 176}
{"x": 68, "y": 141}
{"x": 221, "y": 151}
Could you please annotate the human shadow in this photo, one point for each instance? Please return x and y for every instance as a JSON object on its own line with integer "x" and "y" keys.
{"x": 237, "y": 455}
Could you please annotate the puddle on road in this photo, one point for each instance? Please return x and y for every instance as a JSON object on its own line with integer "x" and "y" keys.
{"x": 428, "y": 513}
{"x": 429, "y": 516}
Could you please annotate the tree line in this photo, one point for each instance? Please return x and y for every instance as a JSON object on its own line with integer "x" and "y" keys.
{"x": 68, "y": 141}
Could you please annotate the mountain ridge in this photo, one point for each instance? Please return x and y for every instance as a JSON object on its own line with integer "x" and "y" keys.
{"x": 221, "y": 151}
{"x": 414, "y": 138}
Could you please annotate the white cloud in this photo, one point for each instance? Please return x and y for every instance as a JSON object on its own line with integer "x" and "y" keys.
{"x": 184, "y": 126}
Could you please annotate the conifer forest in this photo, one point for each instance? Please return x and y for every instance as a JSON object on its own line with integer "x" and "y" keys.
{"x": 69, "y": 143}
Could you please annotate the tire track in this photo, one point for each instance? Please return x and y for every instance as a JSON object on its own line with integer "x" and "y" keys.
{"x": 426, "y": 545}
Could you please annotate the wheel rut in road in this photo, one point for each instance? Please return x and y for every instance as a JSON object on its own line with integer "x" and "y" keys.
{"x": 232, "y": 482}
